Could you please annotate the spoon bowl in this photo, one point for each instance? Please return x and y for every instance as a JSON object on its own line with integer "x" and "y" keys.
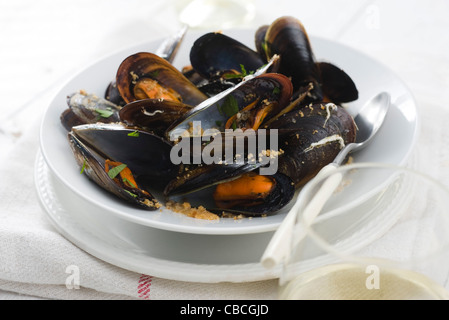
{"x": 368, "y": 121}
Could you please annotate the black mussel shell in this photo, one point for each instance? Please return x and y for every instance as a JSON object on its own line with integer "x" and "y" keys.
{"x": 146, "y": 155}
{"x": 219, "y": 83}
{"x": 69, "y": 119}
{"x": 84, "y": 108}
{"x": 194, "y": 178}
{"x": 288, "y": 38}
{"x": 311, "y": 138}
{"x": 147, "y": 65}
{"x": 153, "y": 115}
{"x": 266, "y": 87}
{"x": 198, "y": 182}
{"x": 193, "y": 76}
{"x": 337, "y": 85}
{"x": 112, "y": 94}
{"x": 281, "y": 196}
{"x": 213, "y": 53}
{"x": 259, "y": 40}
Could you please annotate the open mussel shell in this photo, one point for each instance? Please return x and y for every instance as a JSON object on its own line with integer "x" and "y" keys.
{"x": 214, "y": 53}
{"x": 198, "y": 183}
{"x": 311, "y": 138}
{"x": 112, "y": 94}
{"x": 154, "y": 115}
{"x": 259, "y": 41}
{"x": 287, "y": 37}
{"x": 84, "y": 108}
{"x": 146, "y": 155}
{"x": 69, "y": 119}
{"x": 211, "y": 160}
{"x": 279, "y": 197}
{"x": 337, "y": 85}
{"x": 194, "y": 178}
{"x": 271, "y": 90}
{"x": 145, "y": 65}
{"x": 220, "y": 82}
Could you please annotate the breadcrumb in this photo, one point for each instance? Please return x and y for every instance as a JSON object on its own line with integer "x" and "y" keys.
{"x": 186, "y": 209}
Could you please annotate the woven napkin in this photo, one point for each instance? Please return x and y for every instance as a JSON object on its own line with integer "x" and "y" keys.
{"x": 37, "y": 261}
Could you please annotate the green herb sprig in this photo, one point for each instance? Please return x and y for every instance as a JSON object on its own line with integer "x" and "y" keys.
{"x": 242, "y": 74}
{"x": 134, "y": 134}
{"x": 114, "y": 172}
{"x": 104, "y": 113}
{"x": 84, "y": 166}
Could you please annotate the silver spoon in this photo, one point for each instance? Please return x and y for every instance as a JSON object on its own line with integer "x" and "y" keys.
{"x": 368, "y": 120}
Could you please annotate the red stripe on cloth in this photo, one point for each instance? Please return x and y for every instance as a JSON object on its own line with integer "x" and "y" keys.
{"x": 143, "y": 284}
{"x": 143, "y": 287}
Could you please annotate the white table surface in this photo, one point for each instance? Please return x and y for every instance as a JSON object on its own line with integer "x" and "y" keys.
{"x": 44, "y": 42}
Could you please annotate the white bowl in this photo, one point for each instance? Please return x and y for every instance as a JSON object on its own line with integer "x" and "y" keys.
{"x": 393, "y": 143}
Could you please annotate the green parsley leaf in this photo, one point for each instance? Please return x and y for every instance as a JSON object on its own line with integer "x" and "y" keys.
{"x": 134, "y": 134}
{"x": 104, "y": 113}
{"x": 243, "y": 73}
{"x": 233, "y": 76}
{"x": 265, "y": 46}
{"x": 220, "y": 110}
{"x": 154, "y": 74}
{"x": 230, "y": 106}
{"x": 112, "y": 173}
{"x": 242, "y": 67}
{"x": 131, "y": 194}
{"x": 129, "y": 182}
{"x": 84, "y": 166}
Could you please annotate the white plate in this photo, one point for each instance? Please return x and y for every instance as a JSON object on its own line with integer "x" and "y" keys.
{"x": 195, "y": 257}
{"x": 392, "y": 145}
{"x": 152, "y": 251}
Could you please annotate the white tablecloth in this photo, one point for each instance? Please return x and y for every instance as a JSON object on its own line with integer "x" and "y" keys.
{"x": 45, "y": 42}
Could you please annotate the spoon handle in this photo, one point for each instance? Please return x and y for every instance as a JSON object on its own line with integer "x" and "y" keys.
{"x": 279, "y": 247}
{"x": 316, "y": 204}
